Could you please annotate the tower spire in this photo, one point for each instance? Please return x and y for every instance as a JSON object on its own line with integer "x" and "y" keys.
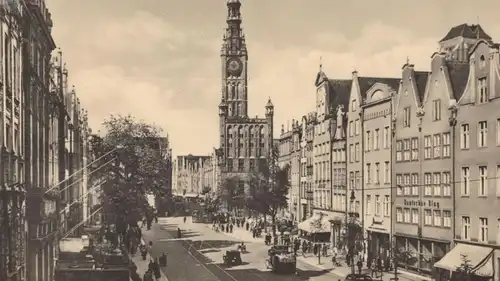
{"x": 233, "y": 12}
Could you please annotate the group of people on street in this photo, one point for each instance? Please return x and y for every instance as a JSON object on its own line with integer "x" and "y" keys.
{"x": 154, "y": 268}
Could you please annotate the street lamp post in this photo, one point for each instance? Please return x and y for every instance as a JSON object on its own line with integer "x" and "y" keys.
{"x": 394, "y": 248}
{"x": 350, "y": 232}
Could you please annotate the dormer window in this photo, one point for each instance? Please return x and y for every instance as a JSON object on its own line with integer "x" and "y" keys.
{"x": 482, "y": 62}
{"x": 353, "y": 105}
{"x": 482, "y": 89}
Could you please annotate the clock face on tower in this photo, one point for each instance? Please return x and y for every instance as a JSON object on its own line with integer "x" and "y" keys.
{"x": 234, "y": 66}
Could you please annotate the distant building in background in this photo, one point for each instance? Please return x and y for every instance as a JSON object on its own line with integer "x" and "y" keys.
{"x": 289, "y": 155}
{"x": 211, "y": 173}
{"x": 189, "y": 173}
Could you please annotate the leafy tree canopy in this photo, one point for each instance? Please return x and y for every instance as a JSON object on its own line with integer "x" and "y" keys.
{"x": 232, "y": 192}
{"x": 135, "y": 167}
{"x": 269, "y": 186}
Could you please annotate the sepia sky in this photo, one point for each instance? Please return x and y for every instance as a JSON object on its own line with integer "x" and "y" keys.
{"x": 159, "y": 59}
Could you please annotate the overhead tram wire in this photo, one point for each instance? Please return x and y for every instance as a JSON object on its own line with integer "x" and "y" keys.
{"x": 88, "y": 165}
{"x": 89, "y": 173}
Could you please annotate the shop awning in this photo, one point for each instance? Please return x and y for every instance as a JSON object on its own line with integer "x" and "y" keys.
{"x": 315, "y": 224}
{"x": 480, "y": 258}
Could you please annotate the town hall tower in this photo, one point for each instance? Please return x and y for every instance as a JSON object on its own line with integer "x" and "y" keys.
{"x": 245, "y": 143}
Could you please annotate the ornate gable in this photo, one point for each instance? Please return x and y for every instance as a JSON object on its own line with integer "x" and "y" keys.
{"x": 379, "y": 91}
{"x": 320, "y": 78}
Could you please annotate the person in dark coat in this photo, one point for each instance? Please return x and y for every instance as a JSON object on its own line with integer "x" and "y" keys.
{"x": 151, "y": 266}
{"x": 157, "y": 270}
{"x": 148, "y": 276}
{"x": 360, "y": 266}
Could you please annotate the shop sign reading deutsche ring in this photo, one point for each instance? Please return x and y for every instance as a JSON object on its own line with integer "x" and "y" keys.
{"x": 421, "y": 203}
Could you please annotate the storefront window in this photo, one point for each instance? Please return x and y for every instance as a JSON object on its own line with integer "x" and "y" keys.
{"x": 426, "y": 255}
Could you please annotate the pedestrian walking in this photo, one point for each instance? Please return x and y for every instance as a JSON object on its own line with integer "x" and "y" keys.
{"x": 360, "y": 265}
{"x": 157, "y": 270}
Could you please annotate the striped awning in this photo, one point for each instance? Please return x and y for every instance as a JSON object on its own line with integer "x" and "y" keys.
{"x": 315, "y": 224}
{"x": 480, "y": 258}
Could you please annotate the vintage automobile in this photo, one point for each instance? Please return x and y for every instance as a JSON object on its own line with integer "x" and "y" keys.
{"x": 232, "y": 257}
{"x": 281, "y": 260}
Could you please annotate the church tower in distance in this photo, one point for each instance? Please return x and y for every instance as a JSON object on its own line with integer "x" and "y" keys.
{"x": 245, "y": 143}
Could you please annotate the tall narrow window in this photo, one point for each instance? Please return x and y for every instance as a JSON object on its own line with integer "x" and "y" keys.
{"x": 427, "y": 217}
{"x": 483, "y": 90}
{"x": 446, "y": 145}
{"x": 376, "y": 139}
{"x": 464, "y": 136}
{"x": 465, "y": 228}
{"x": 399, "y": 183}
{"x": 369, "y": 204}
{"x": 437, "y": 184}
{"x": 387, "y": 206}
{"x": 387, "y": 137}
{"x": 437, "y": 146}
{"x": 368, "y": 173}
{"x": 465, "y": 181}
{"x": 483, "y": 181}
{"x": 482, "y": 137}
{"x": 357, "y": 152}
{"x": 407, "y": 150}
{"x": 447, "y": 218}
{"x": 436, "y": 110}
{"x": 428, "y": 184}
{"x": 406, "y": 117}
{"x": 387, "y": 174}
{"x": 399, "y": 214}
{"x": 497, "y": 181}
{"x": 368, "y": 144}
{"x": 399, "y": 150}
{"x": 437, "y": 218}
{"x": 446, "y": 183}
{"x": 414, "y": 184}
{"x": 483, "y": 230}
{"x": 414, "y": 149}
{"x": 427, "y": 147}
{"x": 498, "y": 132}
{"x": 407, "y": 184}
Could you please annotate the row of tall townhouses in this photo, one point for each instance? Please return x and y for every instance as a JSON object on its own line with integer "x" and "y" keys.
{"x": 414, "y": 158}
{"x": 39, "y": 147}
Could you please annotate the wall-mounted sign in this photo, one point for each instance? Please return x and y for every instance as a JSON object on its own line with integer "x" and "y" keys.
{"x": 421, "y": 203}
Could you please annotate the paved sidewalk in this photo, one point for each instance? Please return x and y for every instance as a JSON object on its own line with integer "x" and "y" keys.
{"x": 343, "y": 271}
{"x": 142, "y": 265}
{"x": 325, "y": 262}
